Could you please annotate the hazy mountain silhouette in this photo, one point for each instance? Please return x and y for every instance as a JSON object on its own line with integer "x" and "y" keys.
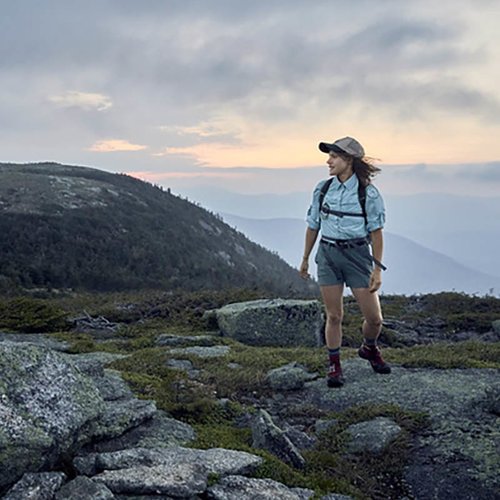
{"x": 466, "y": 228}
{"x": 412, "y": 268}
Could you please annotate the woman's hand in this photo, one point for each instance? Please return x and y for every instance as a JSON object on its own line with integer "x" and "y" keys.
{"x": 375, "y": 280}
{"x": 304, "y": 269}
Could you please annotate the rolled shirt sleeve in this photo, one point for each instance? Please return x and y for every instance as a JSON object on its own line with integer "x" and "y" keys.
{"x": 313, "y": 220}
{"x": 375, "y": 209}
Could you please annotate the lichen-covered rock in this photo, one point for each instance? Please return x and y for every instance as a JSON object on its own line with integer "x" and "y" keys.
{"x": 268, "y": 436}
{"x": 112, "y": 387}
{"x": 45, "y": 402}
{"x": 495, "y": 325}
{"x": 83, "y": 488}
{"x": 290, "y": 377}
{"x": 93, "y": 363}
{"x": 373, "y": 435}
{"x": 160, "y": 431}
{"x": 177, "y": 480}
{"x": 299, "y": 438}
{"x": 275, "y": 322}
{"x": 36, "y": 486}
{"x": 214, "y": 460}
{"x": 244, "y": 488}
{"x": 118, "y": 417}
{"x": 39, "y": 339}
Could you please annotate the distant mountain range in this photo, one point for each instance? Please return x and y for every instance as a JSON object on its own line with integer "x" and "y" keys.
{"x": 74, "y": 227}
{"x": 465, "y": 228}
{"x": 412, "y": 268}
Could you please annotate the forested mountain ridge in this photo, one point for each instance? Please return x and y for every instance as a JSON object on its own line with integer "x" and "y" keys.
{"x": 78, "y": 227}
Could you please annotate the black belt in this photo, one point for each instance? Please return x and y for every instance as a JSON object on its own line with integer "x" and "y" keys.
{"x": 355, "y": 242}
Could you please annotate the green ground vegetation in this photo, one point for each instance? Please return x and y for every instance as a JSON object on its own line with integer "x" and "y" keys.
{"x": 217, "y": 401}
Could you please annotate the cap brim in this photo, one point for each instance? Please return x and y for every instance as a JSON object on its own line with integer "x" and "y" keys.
{"x": 324, "y": 147}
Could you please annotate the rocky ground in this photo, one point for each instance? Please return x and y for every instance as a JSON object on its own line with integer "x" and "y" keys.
{"x": 71, "y": 427}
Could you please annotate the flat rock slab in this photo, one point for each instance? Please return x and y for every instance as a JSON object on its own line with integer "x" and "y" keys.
{"x": 202, "y": 352}
{"x": 178, "y": 480}
{"x": 122, "y": 415}
{"x": 275, "y": 322}
{"x": 36, "y": 486}
{"x": 463, "y": 429}
{"x": 112, "y": 387}
{"x": 160, "y": 431}
{"x": 244, "y": 488}
{"x": 214, "y": 460}
{"x": 40, "y": 339}
{"x": 83, "y": 488}
{"x": 93, "y": 363}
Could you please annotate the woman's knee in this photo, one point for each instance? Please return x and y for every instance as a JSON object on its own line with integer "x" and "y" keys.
{"x": 374, "y": 321}
{"x": 334, "y": 317}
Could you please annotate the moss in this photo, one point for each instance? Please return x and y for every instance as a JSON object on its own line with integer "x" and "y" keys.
{"x": 78, "y": 342}
{"x": 459, "y": 355}
{"x": 253, "y": 366}
{"x": 24, "y": 314}
{"x": 369, "y": 476}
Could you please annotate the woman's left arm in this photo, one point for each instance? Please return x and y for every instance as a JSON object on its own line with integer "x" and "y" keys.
{"x": 377, "y": 239}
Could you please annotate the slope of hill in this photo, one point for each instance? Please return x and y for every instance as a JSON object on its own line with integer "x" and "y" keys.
{"x": 412, "y": 268}
{"x": 78, "y": 227}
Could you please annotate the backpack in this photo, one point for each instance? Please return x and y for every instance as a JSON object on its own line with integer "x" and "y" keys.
{"x": 361, "y": 198}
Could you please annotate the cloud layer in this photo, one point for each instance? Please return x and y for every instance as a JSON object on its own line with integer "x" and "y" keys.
{"x": 179, "y": 87}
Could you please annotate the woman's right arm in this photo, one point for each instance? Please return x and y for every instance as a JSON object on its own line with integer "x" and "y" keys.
{"x": 313, "y": 227}
{"x": 311, "y": 236}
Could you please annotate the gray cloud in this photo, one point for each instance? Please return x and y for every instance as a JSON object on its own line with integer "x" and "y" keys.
{"x": 182, "y": 62}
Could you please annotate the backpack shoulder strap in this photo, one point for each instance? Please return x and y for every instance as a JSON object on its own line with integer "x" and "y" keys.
{"x": 324, "y": 188}
{"x": 362, "y": 200}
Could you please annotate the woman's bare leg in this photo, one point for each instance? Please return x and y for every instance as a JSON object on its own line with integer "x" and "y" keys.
{"x": 334, "y": 306}
{"x": 369, "y": 304}
{"x": 372, "y": 325}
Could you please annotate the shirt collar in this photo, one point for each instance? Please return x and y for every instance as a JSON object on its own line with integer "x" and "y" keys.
{"x": 349, "y": 184}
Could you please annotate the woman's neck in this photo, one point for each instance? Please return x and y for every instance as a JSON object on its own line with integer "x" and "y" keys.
{"x": 345, "y": 176}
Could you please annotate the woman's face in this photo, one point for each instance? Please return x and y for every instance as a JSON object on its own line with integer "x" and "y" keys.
{"x": 339, "y": 166}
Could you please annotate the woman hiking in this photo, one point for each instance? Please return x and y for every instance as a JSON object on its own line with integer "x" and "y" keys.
{"x": 349, "y": 212}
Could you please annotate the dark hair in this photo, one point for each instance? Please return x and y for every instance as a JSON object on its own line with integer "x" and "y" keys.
{"x": 362, "y": 167}
{"x": 365, "y": 170}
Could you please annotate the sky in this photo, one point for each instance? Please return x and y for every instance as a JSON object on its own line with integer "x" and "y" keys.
{"x": 236, "y": 94}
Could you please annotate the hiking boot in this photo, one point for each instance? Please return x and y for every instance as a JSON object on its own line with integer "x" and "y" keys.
{"x": 374, "y": 356}
{"x": 335, "y": 377}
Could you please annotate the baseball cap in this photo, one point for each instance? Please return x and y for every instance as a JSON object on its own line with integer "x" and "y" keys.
{"x": 345, "y": 145}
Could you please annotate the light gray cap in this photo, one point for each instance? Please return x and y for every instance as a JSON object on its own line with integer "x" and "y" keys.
{"x": 345, "y": 145}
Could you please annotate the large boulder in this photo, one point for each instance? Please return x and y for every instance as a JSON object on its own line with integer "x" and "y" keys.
{"x": 45, "y": 403}
{"x": 275, "y": 322}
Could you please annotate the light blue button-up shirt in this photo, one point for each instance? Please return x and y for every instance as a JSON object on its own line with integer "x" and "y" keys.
{"x": 343, "y": 196}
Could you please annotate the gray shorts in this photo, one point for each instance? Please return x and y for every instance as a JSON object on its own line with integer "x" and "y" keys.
{"x": 334, "y": 268}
